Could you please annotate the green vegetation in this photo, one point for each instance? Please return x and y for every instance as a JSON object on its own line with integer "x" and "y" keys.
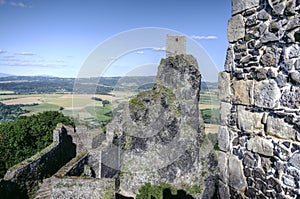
{"x": 136, "y": 102}
{"x": 195, "y": 189}
{"x": 42, "y": 107}
{"x": 102, "y": 113}
{"x": 27, "y": 135}
{"x": 163, "y": 190}
{"x": 148, "y": 191}
{"x": 211, "y": 116}
{"x": 10, "y": 112}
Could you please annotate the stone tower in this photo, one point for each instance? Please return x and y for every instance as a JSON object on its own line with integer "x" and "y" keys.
{"x": 259, "y": 136}
{"x": 176, "y": 45}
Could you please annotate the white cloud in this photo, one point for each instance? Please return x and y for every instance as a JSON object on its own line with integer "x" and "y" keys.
{"x": 159, "y": 49}
{"x": 25, "y": 53}
{"x": 198, "y": 37}
{"x": 18, "y": 4}
{"x": 140, "y": 52}
{"x": 2, "y": 2}
{"x": 2, "y": 51}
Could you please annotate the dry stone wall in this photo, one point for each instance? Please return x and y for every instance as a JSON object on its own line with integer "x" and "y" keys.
{"x": 259, "y": 136}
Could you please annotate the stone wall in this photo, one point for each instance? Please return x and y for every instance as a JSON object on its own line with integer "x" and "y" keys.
{"x": 44, "y": 164}
{"x": 259, "y": 136}
{"x": 82, "y": 188}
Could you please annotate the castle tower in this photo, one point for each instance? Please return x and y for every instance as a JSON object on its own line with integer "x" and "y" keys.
{"x": 175, "y": 45}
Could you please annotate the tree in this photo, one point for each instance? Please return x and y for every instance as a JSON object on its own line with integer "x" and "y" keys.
{"x": 104, "y": 102}
{"x": 25, "y": 136}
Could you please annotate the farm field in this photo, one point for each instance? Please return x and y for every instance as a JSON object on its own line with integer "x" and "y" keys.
{"x": 88, "y": 108}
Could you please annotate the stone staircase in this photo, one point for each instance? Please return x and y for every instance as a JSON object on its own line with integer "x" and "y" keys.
{"x": 45, "y": 190}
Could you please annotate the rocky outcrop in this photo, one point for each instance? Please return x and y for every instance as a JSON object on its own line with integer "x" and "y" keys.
{"x": 259, "y": 91}
{"x": 159, "y": 134}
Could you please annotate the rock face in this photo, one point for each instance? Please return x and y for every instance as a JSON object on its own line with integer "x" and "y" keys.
{"x": 159, "y": 134}
{"x": 259, "y": 137}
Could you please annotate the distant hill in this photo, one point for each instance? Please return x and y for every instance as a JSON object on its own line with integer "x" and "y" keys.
{"x": 104, "y": 85}
{"x": 5, "y": 75}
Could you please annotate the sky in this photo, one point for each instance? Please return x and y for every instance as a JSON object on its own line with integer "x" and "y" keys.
{"x": 56, "y": 38}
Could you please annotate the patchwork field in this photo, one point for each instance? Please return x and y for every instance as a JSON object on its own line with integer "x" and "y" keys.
{"x": 84, "y": 107}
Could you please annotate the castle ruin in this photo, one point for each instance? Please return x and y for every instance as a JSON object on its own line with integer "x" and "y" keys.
{"x": 175, "y": 45}
{"x": 259, "y": 136}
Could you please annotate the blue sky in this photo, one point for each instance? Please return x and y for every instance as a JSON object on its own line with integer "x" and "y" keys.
{"x": 48, "y": 37}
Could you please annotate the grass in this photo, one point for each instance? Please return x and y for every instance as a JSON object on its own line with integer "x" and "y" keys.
{"x": 103, "y": 114}
{"x": 41, "y": 108}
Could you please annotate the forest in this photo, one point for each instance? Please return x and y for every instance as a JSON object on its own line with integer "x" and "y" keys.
{"x": 27, "y": 135}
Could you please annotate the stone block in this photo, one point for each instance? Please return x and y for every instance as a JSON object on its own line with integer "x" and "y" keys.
{"x": 229, "y": 62}
{"x": 223, "y": 138}
{"x": 295, "y": 160}
{"x": 224, "y": 112}
{"x": 241, "y": 5}
{"x": 236, "y": 175}
{"x": 243, "y": 92}
{"x": 224, "y": 86}
{"x": 266, "y": 93}
{"x": 236, "y": 28}
{"x": 249, "y": 121}
{"x": 223, "y": 167}
{"x": 277, "y": 127}
{"x": 261, "y": 146}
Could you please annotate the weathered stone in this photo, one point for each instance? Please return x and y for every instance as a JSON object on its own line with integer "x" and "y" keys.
{"x": 274, "y": 184}
{"x": 261, "y": 146}
{"x": 223, "y": 191}
{"x": 289, "y": 181}
{"x": 236, "y": 28}
{"x": 282, "y": 153}
{"x": 261, "y": 185}
{"x": 291, "y": 52}
{"x": 295, "y": 160}
{"x": 241, "y": 5}
{"x": 260, "y": 74}
{"x": 278, "y": 6}
{"x": 295, "y": 77}
{"x": 269, "y": 37}
{"x": 297, "y": 64}
{"x": 243, "y": 92}
{"x": 229, "y": 62}
{"x": 250, "y": 192}
{"x": 223, "y": 138}
{"x": 281, "y": 80}
{"x": 247, "y": 172}
{"x": 277, "y": 127}
{"x": 266, "y": 93}
{"x": 291, "y": 98}
{"x": 263, "y": 15}
{"x": 258, "y": 173}
{"x": 223, "y": 167}
{"x": 290, "y": 7}
{"x": 249, "y": 160}
{"x": 271, "y": 74}
{"x": 293, "y": 23}
{"x": 224, "y": 112}
{"x": 224, "y": 87}
{"x": 274, "y": 26}
{"x": 236, "y": 176}
{"x": 271, "y": 57}
{"x": 262, "y": 29}
{"x": 251, "y": 21}
{"x": 266, "y": 164}
{"x": 249, "y": 121}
